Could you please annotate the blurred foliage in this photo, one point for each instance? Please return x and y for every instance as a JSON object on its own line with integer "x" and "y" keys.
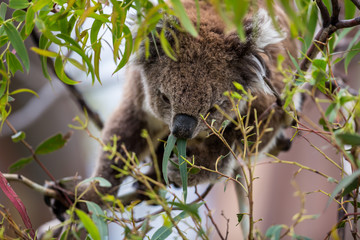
{"x": 77, "y": 27}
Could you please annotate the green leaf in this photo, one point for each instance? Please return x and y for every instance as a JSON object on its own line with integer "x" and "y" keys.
{"x": 349, "y": 9}
{"x": 19, "y": 15}
{"x": 351, "y": 54}
{"x": 183, "y": 17}
{"x": 51, "y": 144}
{"x": 3, "y": 8}
{"x": 167, "y": 152}
{"x": 18, "y": 44}
{"x": 181, "y": 146}
{"x": 3, "y": 39}
{"x": 20, "y": 164}
{"x": 99, "y": 218}
{"x": 162, "y": 233}
{"x": 240, "y": 217}
{"x": 102, "y": 181}
{"x": 128, "y": 48}
{"x": 44, "y": 44}
{"x": 189, "y": 209}
{"x": 59, "y": 70}
{"x": 44, "y": 52}
{"x": 76, "y": 48}
{"x": 352, "y": 139}
{"x": 24, "y": 90}
{"x": 89, "y": 225}
{"x": 95, "y": 28}
{"x": 274, "y": 232}
{"x": 18, "y": 4}
{"x": 29, "y": 20}
{"x": 345, "y": 182}
{"x": 77, "y": 64}
{"x": 97, "y": 51}
{"x": 13, "y": 63}
{"x": 38, "y": 5}
{"x": 166, "y": 46}
{"x": 17, "y": 137}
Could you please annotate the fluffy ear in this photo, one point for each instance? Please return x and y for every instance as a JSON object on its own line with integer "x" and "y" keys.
{"x": 264, "y": 31}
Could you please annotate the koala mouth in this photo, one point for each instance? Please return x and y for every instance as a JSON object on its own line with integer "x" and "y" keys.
{"x": 184, "y": 126}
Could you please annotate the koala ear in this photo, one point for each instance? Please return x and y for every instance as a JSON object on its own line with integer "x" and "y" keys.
{"x": 263, "y": 30}
{"x": 260, "y": 71}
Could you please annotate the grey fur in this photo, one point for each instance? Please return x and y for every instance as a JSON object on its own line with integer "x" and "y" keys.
{"x": 158, "y": 88}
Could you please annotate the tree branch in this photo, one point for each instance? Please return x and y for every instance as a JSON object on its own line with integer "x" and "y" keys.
{"x": 33, "y": 185}
{"x": 324, "y": 12}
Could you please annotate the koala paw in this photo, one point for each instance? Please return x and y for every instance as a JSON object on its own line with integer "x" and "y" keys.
{"x": 61, "y": 203}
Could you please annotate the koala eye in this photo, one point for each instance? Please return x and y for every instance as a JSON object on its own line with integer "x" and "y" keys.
{"x": 212, "y": 110}
{"x": 164, "y": 98}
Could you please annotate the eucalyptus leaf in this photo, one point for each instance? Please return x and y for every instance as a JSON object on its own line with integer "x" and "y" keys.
{"x": 18, "y": 44}
{"x": 181, "y": 146}
{"x": 20, "y": 164}
{"x": 89, "y": 225}
{"x": 167, "y": 152}
{"x": 51, "y": 144}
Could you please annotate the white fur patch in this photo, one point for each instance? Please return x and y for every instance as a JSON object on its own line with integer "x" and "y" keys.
{"x": 266, "y": 33}
{"x": 298, "y": 101}
{"x": 260, "y": 74}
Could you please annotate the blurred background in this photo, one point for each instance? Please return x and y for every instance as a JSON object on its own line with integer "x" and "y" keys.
{"x": 275, "y": 199}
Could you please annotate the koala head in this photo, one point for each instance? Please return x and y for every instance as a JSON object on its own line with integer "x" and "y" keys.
{"x": 179, "y": 92}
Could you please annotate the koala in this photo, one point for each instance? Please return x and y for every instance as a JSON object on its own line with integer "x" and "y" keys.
{"x": 166, "y": 97}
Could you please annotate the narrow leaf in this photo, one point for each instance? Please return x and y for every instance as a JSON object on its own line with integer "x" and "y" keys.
{"x": 18, "y": 44}
{"x": 29, "y": 20}
{"x": 166, "y": 46}
{"x": 20, "y": 164}
{"x": 89, "y": 225}
{"x": 59, "y": 70}
{"x": 345, "y": 182}
{"x": 352, "y": 139}
{"x": 18, "y": 4}
{"x": 99, "y": 218}
{"x": 13, "y": 63}
{"x": 181, "y": 145}
{"x": 51, "y": 144}
{"x": 183, "y": 17}
{"x": 162, "y": 233}
{"x": 23, "y": 90}
{"x": 3, "y": 8}
{"x": 167, "y": 152}
{"x": 44, "y": 52}
{"x": 128, "y": 48}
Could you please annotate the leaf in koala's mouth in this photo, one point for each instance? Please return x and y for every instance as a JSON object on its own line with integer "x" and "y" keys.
{"x": 181, "y": 148}
{"x": 167, "y": 152}
{"x": 181, "y": 145}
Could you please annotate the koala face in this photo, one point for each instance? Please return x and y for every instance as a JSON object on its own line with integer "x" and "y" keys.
{"x": 179, "y": 92}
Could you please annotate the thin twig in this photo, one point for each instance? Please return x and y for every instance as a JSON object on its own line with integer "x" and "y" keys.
{"x": 324, "y": 12}
{"x": 31, "y": 150}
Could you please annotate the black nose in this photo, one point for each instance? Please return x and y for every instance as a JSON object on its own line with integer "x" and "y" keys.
{"x": 183, "y": 126}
